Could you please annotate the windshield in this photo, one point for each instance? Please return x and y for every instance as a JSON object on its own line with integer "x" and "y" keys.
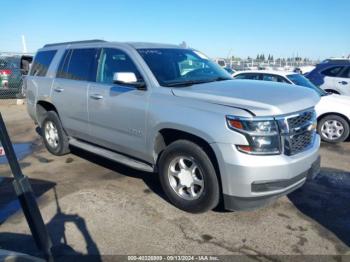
{"x": 182, "y": 67}
{"x": 303, "y": 81}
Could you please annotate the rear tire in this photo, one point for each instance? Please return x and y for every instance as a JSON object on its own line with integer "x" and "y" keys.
{"x": 333, "y": 129}
{"x": 188, "y": 177}
{"x": 54, "y": 136}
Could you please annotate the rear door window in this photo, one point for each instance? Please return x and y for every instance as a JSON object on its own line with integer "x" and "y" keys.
{"x": 79, "y": 64}
{"x": 42, "y": 62}
{"x": 62, "y": 71}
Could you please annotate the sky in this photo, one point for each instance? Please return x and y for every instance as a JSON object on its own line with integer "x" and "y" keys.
{"x": 220, "y": 28}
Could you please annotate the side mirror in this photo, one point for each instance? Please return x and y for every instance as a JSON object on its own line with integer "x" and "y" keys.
{"x": 128, "y": 78}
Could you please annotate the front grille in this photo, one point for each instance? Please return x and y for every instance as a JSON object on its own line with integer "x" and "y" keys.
{"x": 300, "y": 120}
{"x": 299, "y": 143}
{"x": 300, "y": 132}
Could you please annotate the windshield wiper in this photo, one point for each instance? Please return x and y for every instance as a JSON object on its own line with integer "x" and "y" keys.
{"x": 195, "y": 82}
{"x": 187, "y": 83}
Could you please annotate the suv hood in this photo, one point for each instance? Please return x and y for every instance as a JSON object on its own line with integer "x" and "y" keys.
{"x": 261, "y": 98}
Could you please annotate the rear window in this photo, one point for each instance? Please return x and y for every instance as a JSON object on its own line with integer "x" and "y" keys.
{"x": 79, "y": 64}
{"x": 42, "y": 62}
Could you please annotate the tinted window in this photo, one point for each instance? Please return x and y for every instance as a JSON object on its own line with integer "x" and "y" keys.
{"x": 79, "y": 64}
{"x": 63, "y": 66}
{"x": 332, "y": 71}
{"x": 114, "y": 61}
{"x": 345, "y": 73}
{"x": 181, "y": 67}
{"x": 274, "y": 78}
{"x": 42, "y": 62}
{"x": 250, "y": 76}
{"x": 229, "y": 70}
{"x": 303, "y": 81}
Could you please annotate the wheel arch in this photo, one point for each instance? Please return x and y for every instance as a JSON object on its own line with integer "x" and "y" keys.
{"x": 166, "y": 136}
{"x": 333, "y": 113}
{"x": 41, "y": 108}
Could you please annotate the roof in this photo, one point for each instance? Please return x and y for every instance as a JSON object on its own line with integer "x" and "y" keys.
{"x": 275, "y": 72}
{"x": 136, "y": 45}
{"x": 75, "y": 42}
{"x": 332, "y": 61}
{"x": 140, "y": 45}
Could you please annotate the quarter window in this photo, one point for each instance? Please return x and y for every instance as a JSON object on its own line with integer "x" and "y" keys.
{"x": 333, "y": 71}
{"x": 114, "y": 61}
{"x": 42, "y": 62}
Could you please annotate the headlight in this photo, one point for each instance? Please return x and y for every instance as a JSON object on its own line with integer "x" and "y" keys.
{"x": 262, "y": 135}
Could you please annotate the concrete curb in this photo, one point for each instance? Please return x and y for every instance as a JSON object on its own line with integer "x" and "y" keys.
{"x": 12, "y": 102}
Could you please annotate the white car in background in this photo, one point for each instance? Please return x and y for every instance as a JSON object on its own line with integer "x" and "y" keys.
{"x": 333, "y": 111}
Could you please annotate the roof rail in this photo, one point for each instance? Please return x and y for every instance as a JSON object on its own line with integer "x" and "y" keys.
{"x": 76, "y": 42}
{"x": 336, "y": 61}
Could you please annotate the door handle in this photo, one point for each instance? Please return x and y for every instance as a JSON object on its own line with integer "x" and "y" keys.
{"x": 343, "y": 82}
{"x": 96, "y": 96}
{"x": 58, "y": 90}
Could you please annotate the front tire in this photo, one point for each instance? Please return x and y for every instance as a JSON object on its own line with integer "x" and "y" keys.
{"x": 333, "y": 129}
{"x": 188, "y": 177}
{"x": 55, "y": 138}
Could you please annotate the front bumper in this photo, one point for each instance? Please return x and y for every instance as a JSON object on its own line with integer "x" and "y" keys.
{"x": 251, "y": 181}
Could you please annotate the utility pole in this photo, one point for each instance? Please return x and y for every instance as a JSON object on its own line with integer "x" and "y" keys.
{"x": 24, "y": 45}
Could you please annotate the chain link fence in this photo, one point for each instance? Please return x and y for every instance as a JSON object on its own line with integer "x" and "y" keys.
{"x": 12, "y": 69}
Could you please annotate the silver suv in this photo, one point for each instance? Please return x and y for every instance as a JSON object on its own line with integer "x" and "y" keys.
{"x": 171, "y": 110}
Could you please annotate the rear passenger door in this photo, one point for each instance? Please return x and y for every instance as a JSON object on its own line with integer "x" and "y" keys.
{"x": 342, "y": 81}
{"x": 117, "y": 112}
{"x": 329, "y": 78}
{"x": 76, "y": 70}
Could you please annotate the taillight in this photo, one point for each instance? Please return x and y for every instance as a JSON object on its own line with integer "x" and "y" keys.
{"x": 5, "y": 72}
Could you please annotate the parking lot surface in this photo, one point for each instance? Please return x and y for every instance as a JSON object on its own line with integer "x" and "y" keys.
{"x": 95, "y": 206}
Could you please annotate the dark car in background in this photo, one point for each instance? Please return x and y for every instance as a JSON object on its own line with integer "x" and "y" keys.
{"x": 12, "y": 69}
{"x": 332, "y": 75}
